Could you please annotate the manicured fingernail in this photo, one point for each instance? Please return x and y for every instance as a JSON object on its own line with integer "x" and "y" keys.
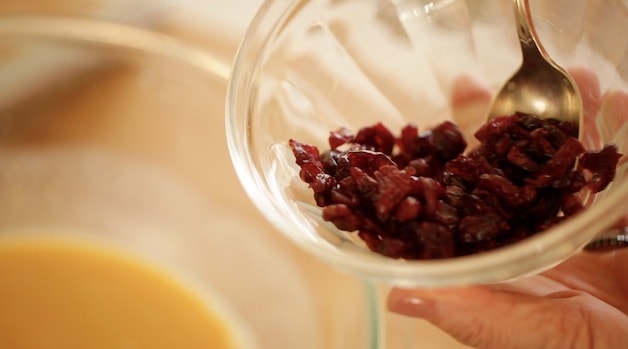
{"x": 410, "y": 303}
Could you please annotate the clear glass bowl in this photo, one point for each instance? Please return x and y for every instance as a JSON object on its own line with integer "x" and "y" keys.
{"x": 308, "y": 67}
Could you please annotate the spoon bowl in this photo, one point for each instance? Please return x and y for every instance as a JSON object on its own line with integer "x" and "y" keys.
{"x": 540, "y": 87}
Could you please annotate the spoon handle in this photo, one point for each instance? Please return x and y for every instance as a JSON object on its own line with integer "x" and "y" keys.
{"x": 531, "y": 47}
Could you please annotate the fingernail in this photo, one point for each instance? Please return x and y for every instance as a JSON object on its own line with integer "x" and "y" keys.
{"x": 410, "y": 303}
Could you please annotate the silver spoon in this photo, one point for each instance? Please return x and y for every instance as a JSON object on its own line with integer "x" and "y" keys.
{"x": 541, "y": 87}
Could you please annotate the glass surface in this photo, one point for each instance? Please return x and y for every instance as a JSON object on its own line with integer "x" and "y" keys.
{"x": 308, "y": 67}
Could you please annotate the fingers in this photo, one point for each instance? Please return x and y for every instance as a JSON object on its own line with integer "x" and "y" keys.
{"x": 485, "y": 318}
{"x": 475, "y": 316}
{"x": 601, "y": 275}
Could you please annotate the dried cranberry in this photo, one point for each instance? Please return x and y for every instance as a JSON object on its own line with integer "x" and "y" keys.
{"x": 393, "y": 187}
{"x": 339, "y": 137}
{"x": 377, "y": 138}
{"x": 480, "y": 228}
{"x": 408, "y": 209}
{"x": 495, "y": 128}
{"x": 560, "y": 165}
{"x": 435, "y": 240}
{"x": 418, "y": 196}
{"x": 518, "y": 157}
{"x": 448, "y": 141}
{"x": 368, "y": 161}
{"x": 342, "y": 216}
{"x": 602, "y": 165}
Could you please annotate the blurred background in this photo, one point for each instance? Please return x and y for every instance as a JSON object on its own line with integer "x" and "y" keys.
{"x": 160, "y": 168}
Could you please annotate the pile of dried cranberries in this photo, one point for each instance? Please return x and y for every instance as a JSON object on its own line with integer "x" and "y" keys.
{"x": 420, "y": 196}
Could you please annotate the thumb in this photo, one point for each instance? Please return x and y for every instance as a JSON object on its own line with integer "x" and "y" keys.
{"x": 487, "y": 318}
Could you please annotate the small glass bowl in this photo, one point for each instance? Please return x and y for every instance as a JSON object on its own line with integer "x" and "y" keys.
{"x": 308, "y": 67}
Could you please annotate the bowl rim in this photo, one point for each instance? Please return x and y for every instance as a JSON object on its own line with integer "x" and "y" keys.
{"x": 106, "y": 33}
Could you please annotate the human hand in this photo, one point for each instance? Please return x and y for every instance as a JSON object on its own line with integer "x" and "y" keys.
{"x": 580, "y": 304}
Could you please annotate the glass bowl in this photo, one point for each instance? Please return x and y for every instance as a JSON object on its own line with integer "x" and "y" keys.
{"x": 308, "y": 67}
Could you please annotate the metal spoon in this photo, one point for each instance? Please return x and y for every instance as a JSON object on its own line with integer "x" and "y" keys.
{"x": 542, "y": 88}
